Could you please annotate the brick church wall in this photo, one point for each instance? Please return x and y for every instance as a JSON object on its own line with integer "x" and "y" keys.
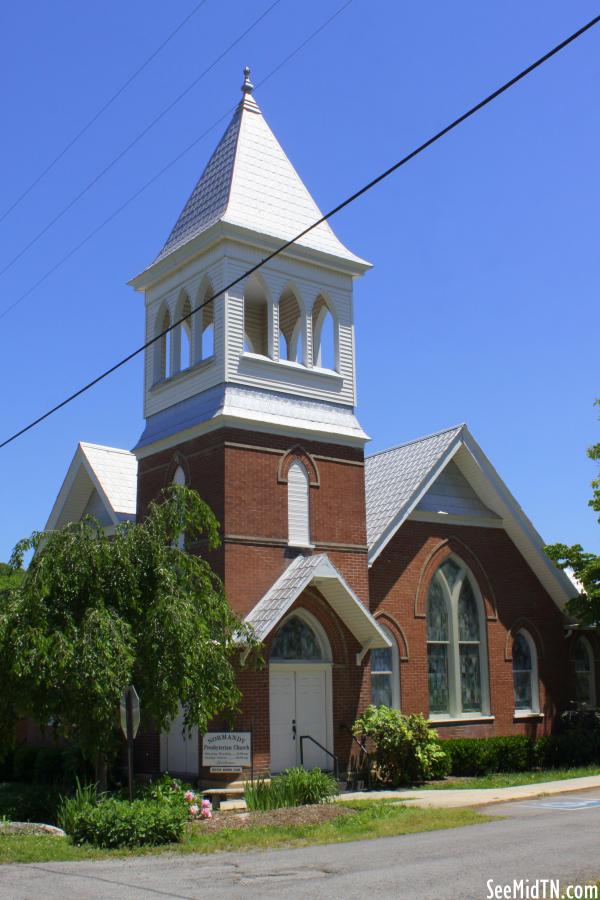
{"x": 513, "y": 597}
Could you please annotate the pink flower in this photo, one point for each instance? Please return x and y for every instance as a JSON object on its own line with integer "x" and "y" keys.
{"x": 189, "y": 796}
{"x": 194, "y": 809}
{"x": 206, "y": 804}
{"x": 206, "y": 814}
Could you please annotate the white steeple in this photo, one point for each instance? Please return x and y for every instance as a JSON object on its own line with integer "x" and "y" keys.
{"x": 274, "y": 351}
{"x": 249, "y": 182}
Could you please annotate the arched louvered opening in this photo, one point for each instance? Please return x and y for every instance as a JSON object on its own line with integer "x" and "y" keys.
{"x": 182, "y": 335}
{"x": 256, "y": 317}
{"x": 163, "y": 346}
{"x": 290, "y": 327}
{"x": 204, "y": 323}
{"x": 298, "y": 505}
{"x": 323, "y": 335}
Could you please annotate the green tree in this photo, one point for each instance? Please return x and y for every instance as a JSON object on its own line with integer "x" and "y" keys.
{"x": 586, "y": 566}
{"x": 93, "y": 614}
{"x": 9, "y": 577}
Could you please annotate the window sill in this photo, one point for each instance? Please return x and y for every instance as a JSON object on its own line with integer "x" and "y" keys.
{"x": 460, "y": 720}
{"x": 301, "y": 546}
{"x": 527, "y": 714}
{"x": 311, "y": 371}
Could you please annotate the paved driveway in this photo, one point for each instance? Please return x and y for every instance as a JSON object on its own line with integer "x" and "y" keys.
{"x": 537, "y": 839}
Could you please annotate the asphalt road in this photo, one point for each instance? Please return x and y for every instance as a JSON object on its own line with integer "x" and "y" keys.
{"x": 535, "y": 840}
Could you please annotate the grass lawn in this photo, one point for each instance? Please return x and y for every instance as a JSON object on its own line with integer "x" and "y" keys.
{"x": 372, "y": 819}
{"x": 511, "y": 779}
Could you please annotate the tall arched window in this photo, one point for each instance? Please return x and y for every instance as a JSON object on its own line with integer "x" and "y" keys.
{"x": 456, "y": 646}
{"x": 179, "y": 478}
{"x": 298, "y": 505}
{"x": 585, "y": 675}
{"x": 525, "y": 673}
{"x": 323, "y": 335}
{"x": 290, "y": 327}
{"x": 385, "y": 673}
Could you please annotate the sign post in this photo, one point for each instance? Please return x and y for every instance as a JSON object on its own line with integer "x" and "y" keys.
{"x": 130, "y": 722}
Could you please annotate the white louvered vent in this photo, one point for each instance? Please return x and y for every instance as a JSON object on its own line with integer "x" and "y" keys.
{"x": 298, "y": 505}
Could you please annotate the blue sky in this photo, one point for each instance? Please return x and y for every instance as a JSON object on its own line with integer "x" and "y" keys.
{"x": 483, "y": 302}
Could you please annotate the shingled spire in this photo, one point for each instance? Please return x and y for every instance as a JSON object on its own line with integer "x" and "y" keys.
{"x": 250, "y": 182}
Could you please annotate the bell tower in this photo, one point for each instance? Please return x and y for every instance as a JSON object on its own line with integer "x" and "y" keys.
{"x": 262, "y": 376}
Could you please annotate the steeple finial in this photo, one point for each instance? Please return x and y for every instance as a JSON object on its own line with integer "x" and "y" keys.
{"x": 247, "y": 86}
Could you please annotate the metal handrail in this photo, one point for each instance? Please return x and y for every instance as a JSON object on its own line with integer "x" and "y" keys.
{"x": 364, "y": 750}
{"x": 309, "y": 737}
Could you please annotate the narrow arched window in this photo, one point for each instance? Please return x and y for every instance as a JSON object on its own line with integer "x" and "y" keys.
{"x": 323, "y": 335}
{"x": 298, "y": 505}
{"x": 456, "y": 646}
{"x": 585, "y": 675}
{"x": 290, "y": 328}
{"x": 385, "y": 673}
{"x": 525, "y": 674}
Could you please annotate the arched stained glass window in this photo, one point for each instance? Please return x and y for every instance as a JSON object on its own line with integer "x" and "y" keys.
{"x": 385, "y": 673}
{"x": 456, "y": 649}
{"x": 525, "y": 672}
{"x": 585, "y": 676}
{"x": 296, "y": 640}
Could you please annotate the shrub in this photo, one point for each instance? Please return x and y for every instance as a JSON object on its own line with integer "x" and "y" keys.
{"x": 29, "y": 803}
{"x": 48, "y": 767}
{"x": 117, "y": 823}
{"x": 481, "y": 756}
{"x": 407, "y": 749}
{"x": 6, "y": 767}
{"x": 71, "y": 806}
{"x": 24, "y": 762}
{"x": 568, "y": 749}
{"x": 294, "y": 787}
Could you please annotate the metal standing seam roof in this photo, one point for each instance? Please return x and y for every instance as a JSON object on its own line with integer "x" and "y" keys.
{"x": 299, "y": 574}
{"x": 250, "y": 182}
{"x": 393, "y": 476}
{"x": 116, "y": 471}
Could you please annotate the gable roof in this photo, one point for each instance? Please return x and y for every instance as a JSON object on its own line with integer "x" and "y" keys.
{"x": 249, "y": 182}
{"x": 398, "y": 479}
{"x": 317, "y": 569}
{"x": 97, "y": 475}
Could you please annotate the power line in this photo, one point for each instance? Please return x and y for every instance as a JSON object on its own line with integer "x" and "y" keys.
{"x": 168, "y": 166}
{"x": 136, "y": 140}
{"x": 332, "y": 212}
{"x": 99, "y": 112}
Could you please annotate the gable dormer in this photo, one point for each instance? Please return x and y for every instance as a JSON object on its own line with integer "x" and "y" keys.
{"x": 276, "y": 348}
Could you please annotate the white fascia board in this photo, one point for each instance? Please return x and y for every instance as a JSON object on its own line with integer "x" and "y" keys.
{"x": 518, "y": 526}
{"x": 326, "y": 571}
{"x": 388, "y": 533}
{"x": 270, "y": 425}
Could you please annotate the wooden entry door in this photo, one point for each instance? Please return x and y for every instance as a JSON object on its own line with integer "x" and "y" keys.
{"x": 300, "y": 704}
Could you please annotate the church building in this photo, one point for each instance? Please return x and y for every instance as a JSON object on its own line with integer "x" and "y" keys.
{"x": 411, "y": 577}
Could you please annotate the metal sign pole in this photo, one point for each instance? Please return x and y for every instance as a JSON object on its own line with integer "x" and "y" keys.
{"x": 129, "y": 710}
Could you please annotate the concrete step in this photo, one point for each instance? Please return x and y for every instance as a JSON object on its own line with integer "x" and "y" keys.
{"x": 232, "y": 804}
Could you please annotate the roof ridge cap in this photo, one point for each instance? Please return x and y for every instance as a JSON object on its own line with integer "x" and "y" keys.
{"x": 425, "y": 437}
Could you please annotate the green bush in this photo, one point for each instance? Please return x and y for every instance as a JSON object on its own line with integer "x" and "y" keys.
{"x": 72, "y": 805}
{"x": 294, "y": 787}
{"x": 406, "y": 747}
{"x": 29, "y": 803}
{"x": 48, "y": 767}
{"x": 568, "y": 749}
{"x": 7, "y": 766}
{"x": 24, "y": 762}
{"x": 482, "y": 756}
{"x": 117, "y": 823}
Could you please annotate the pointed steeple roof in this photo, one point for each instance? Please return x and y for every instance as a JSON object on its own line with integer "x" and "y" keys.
{"x": 249, "y": 182}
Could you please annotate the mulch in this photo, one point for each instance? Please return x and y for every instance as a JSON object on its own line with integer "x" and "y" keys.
{"x": 294, "y": 815}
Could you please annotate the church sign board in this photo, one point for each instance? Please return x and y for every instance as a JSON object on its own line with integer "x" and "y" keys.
{"x": 227, "y": 751}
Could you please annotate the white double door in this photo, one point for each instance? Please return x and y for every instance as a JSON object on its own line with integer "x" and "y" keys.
{"x": 300, "y": 703}
{"x": 178, "y": 750}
